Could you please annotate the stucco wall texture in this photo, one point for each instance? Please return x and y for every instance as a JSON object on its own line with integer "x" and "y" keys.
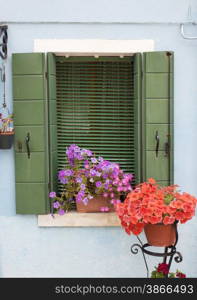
{"x": 29, "y": 251}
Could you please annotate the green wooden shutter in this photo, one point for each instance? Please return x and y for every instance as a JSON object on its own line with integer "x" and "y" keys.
{"x": 95, "y": 107}
{"x": 157, "y": 116}
{"x": 30, "y": 111}
{"x": 51, "y": 76}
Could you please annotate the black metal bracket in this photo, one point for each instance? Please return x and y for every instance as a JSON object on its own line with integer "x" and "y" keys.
{"x": 3, "y": 44}
{"x": 157, "y": 143}
{"x": 27, "y": 140}
{"x": 169, "y": 252}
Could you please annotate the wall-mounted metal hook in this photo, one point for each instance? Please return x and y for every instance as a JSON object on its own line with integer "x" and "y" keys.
{"x": 190, "y": 21}
{"x": 183, "y": 33}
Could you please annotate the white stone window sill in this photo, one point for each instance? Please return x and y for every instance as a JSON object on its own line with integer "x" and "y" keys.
{"x": 75, "y": 219}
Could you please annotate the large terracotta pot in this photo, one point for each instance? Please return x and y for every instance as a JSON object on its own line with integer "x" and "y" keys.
{"x": 95, "y": 204}
{"x": 160, "y": 235}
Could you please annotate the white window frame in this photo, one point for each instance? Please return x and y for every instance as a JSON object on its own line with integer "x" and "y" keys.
{"x": 93, "y": 47}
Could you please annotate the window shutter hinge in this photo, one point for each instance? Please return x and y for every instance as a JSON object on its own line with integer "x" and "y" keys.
{"x": 46, "y": 74}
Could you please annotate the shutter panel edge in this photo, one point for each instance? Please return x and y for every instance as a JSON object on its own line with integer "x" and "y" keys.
{"x": 137, "y": 116}
{"x": 52, "y": 124}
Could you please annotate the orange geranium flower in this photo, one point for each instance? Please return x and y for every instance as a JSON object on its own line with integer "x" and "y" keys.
{"x": 155, "y": 219}
{"x": 168, "y": 220}
{"x": 151, "y": 181}
{"x": 179, "y": 215}
{"x": 177, "y": 204}
{"x": 150, "y": 203}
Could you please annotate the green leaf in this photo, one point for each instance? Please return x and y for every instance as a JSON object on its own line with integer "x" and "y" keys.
{"x": 168, "y": 198}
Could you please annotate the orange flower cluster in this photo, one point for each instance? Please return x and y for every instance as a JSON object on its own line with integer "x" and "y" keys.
{"x": 150, "y": 203}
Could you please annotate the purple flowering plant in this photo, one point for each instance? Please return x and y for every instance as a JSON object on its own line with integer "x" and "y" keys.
{"x": 88, "y": 176}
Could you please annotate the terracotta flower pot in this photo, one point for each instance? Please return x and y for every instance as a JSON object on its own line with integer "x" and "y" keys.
{"x": 160, "y": 235}
{"x": 95, "y": 204}
{"x": 6, "y": 140}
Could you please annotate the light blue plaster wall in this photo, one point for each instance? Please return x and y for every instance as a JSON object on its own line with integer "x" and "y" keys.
{"x": 29, "y": 251}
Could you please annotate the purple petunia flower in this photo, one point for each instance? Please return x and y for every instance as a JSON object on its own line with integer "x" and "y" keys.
{"x": 98, "y": 183}
{"x": 116, "y": 181}
{"x": 119, "y": 188}
{"x": 86, "y": 164}
{"x": 85, "y": 201}
{"x": 52, "y": 194}
{"x": 64, "y": 173}
{"x": 85, "y": 152}
{"x": 93, "y": 160}
{"x": 79, "y": 180}
{"x": 104, "y": 209}
{"x": 106, "y": 186}
{"x": 61, "y": 174}
{"x": 81, "y": 193}
{"x": 86, "y": 173}
{"x": 82, "y": 186}
{"x": 89, "y": 153}
{"x": 61, "y": 212}
{"x": 115, "y": 201}
{"x": 73, "y": 152}
{"x": 105, "y": 176}
{"x": 56, "y": 204}
{"x": 92, "y": 172}
{"x": 80, "y": 196}
{"x": 68, "y": 172}
{"x": 101, "y": 159}
{"x": 64, "y": 180}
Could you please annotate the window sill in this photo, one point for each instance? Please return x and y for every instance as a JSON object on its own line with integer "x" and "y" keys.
{"x": 75, "y": 219}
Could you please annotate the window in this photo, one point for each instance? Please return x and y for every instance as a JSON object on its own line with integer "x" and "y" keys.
{"x": 142, "y": 82}
{"x": 95, "y": 107}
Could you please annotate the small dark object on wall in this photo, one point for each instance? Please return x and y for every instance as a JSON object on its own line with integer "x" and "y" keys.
{"x": 3, "y": 44}
{"x": 6, "y": 140}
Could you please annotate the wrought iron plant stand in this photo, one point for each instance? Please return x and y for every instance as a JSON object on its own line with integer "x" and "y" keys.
{"x": 169, "y": 253}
